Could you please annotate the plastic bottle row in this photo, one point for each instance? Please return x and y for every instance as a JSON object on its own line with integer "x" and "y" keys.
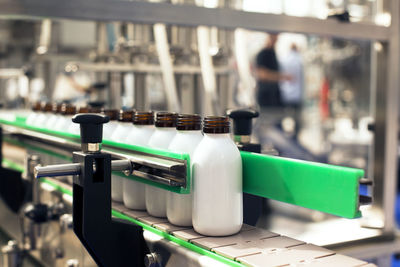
{"x": 214, "y": 207}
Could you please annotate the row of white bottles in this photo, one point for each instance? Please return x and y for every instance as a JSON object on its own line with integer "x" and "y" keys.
{"x": 214, "y": 207}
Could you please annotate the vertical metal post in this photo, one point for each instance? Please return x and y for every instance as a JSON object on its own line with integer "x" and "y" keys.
{"x": 386, "y": 125}
{"x": 31, "y": 162}
{"x": 392, "y": 117}
{"x": 34, "y": 231}
{"x": 115, "y": 91}
{"x": 140, "y": 93}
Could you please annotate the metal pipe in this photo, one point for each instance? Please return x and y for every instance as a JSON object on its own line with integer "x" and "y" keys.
{"x": 75, "y": 169}
{"x": 160, "y": 36}
{"x": 58, "y": 170}
{"x": 45, "y": 37}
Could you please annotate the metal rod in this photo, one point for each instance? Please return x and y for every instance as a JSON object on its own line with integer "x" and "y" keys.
{"x": 75, "y": 169}
{"x": 58, "y": 170}
{"x": 188, "y": 15}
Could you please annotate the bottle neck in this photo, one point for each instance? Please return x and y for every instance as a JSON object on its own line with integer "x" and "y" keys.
{"x": 189, "y": 132}
{"x": 217, "y": 135}
{"x": 143, "y": 126}
{"x": 166, "y": 129}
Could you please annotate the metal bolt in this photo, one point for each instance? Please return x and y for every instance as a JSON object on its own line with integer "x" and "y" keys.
{"x": 72, "y": 263}
{"x": 66, "y": 222}
{"x": 151, "y": 260}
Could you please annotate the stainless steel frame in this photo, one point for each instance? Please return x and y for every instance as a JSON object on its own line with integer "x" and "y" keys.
{"x": 186, "y": 15}
{"x": 388, "y": 59}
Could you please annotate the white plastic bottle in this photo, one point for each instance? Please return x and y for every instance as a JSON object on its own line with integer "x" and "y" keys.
{"x": 43, "y": 115}
{"x": 164, "y": 133}
{"x": 63, "y": 123}
{"x": 188, "y": 136}
{"x": 124, "y": 126}
{"x": 111, "y": 126}
{"x": 121, "y": 131}
{"x": 33, "y": 114}
{"x": 54, "y": 117}
{"x": 217, "y": 181}
{"x": 133, "y": 191}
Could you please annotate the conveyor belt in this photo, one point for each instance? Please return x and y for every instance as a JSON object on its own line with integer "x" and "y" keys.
{"x": 322, "y": 187}
{"x": 251, "y": 247}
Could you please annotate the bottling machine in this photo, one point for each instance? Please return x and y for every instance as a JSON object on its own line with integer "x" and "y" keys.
{"x": 181, "y": 51}
{"x": 111, "y": 242}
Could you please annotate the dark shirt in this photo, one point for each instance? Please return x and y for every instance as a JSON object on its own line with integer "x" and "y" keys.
{"x": 268, "y": 93}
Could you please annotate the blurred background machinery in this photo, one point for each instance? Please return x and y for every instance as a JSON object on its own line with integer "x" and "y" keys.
{"x": 199, "y": 56}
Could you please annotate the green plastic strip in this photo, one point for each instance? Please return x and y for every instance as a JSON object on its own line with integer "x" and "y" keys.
{"x": 145, "y": 226}
{"x": 323, "y": 187}
{"x": 154, "y": 230}
{"x": 56, "y": 186}
{"x": 12, "y": 165}
{"x": 36, "y": 148}
{"x": 179, "y": 241}
{"x": 317, "y": 186}
{"x": 112, "y": 146}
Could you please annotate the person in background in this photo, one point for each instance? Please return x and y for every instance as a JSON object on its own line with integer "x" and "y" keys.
{"x": 292, "y": 90}
{"x": 268, "y": 75}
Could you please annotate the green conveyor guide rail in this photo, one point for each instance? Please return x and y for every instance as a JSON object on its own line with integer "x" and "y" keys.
{"x": 322, "y": 187}
{"x": 117, "y": 214}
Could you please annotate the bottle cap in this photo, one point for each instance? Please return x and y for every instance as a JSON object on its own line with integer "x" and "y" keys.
{"x": 46, "y": 107}
{"x": 83, "y": 110}
{"x": 113, "y": 114}
{"x": 166, "y": 119}
{"x": 126, "y": 115}
{"x": 68, "y": 109}
{"x": 36, "y": 106}
{"x": 216, "y": 124}
{"x": 187, "y": 122}
{"x": 143, "y": 118}
{"x": 56, "y": 108}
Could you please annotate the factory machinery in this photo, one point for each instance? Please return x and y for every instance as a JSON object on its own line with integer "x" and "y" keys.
{"x": 56, "y": 207}
{"x": 113, "y": 234}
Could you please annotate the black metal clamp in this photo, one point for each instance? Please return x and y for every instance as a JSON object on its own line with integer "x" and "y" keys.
{"x": 110, "y": 241}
